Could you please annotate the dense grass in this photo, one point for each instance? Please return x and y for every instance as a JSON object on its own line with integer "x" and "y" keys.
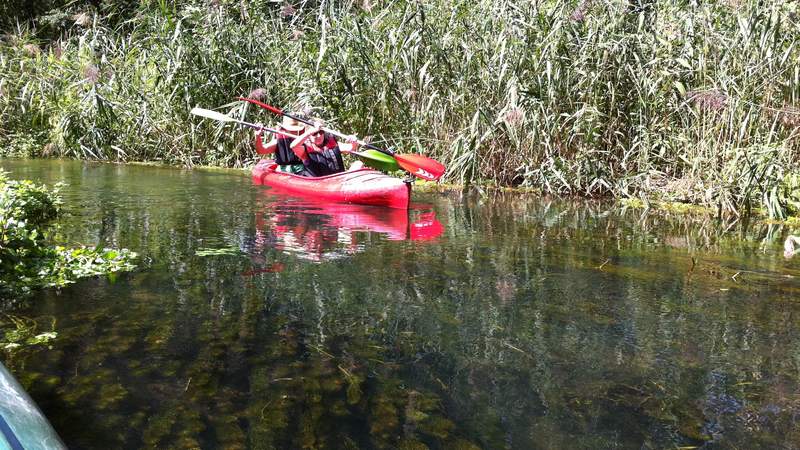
{"x": 674, "y": 100}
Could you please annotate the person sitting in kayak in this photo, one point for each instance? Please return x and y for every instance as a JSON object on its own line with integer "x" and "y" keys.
{"x": 286, "y": 159}
{"x": 320, "y": 151}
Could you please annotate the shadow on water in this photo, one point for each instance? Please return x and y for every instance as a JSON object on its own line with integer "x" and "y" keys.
{"x": 269, "y": 322}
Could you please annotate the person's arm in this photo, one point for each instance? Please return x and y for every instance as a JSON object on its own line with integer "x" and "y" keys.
{"x": 300, "y": 140}
{"x": 351, "y": 145}
{"x": 298, "y": 145}
{"x": 265, "y": 149}
{"x": 260, "y": 147}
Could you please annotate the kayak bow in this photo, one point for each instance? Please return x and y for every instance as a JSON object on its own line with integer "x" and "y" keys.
{"x": 22, "y": 424}
{"x": 362, "y": 186}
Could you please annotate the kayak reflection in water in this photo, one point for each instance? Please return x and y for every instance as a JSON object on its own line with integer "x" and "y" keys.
{"x": 318, "y": 231}
{"x": 320, "y": 151}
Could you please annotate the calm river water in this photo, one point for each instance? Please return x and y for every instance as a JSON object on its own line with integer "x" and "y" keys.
{"x": 497, "y": 321}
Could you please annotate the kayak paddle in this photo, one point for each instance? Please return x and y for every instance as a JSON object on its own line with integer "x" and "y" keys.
{"x": 377, "y": 160}
{"x": 373, "y": 159}
{"x": 420, "y": 166}
{"x": 218, "y": 116}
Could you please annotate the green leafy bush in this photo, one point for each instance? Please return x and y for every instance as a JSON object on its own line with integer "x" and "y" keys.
{"x": 27, "y": 260}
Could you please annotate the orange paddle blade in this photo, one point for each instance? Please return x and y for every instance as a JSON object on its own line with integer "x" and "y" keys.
{"x": 421, "y": 166}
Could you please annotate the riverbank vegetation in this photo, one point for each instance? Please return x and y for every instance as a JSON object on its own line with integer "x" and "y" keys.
{"x": 676, "y": 101}
{"x": 27, "y": 259}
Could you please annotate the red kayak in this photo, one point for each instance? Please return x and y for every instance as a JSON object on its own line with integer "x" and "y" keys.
{"x": 362, "y": 186}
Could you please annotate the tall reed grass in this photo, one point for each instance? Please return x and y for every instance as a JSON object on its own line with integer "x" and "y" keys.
{"x": 676, "y": 100}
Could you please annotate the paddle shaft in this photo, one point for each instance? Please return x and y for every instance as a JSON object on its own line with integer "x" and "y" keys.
{"x": 210, "y": 114}
{"x": 216, "y": 115}
{"x": 338, "y": 134}
{"x": 259, "y": 127}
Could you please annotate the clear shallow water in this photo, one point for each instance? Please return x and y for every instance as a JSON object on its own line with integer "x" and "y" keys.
{"x": 494, "y": 322}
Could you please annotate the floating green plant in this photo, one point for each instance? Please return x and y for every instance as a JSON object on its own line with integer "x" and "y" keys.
{"x": 27, "y": 259}
{"x": 224, "y": 251}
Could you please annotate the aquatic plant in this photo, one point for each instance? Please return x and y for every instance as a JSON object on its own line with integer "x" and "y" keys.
{"x": 227, "y": 251}
{"x": 21, "y": 332}
{"x": 27, "y": 260}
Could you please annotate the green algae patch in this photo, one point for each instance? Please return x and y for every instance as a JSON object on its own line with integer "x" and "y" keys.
{"x": 433, "y": 186}
{"x": 760, "y": 214}
{"x": 226, "y": 251}
{"x": 483, "y": 188}
{"x": 791, "y": 221}
{"x": 669, "y": 206}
